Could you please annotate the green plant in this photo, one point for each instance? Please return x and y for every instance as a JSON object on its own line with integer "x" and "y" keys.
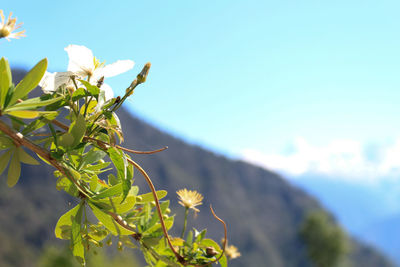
{"x": 73, "y": 126}
{"x": 326, "y": 243}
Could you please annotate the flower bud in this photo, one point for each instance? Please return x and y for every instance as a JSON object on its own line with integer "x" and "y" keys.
{"x": 100, "y": 82}
{"x": 211, "y": 251}
{"x": 141, "y": 78}
{"x": 120, "y": 247}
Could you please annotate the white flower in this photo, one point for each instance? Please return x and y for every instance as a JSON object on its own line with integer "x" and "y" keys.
{"x": 83, "y": 64}
{"x": 52, "y": 81}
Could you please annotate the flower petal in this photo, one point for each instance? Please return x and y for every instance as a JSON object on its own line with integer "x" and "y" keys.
{"x": 80, "y": 60}
{"x": 47, "y": 82}
{"x": 52, "y": 81}
{"x": 116, "y": 68}
{"x": 108, "y": 91}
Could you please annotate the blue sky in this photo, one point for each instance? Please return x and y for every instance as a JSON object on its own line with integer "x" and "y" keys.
{"x": 248, "y": 79}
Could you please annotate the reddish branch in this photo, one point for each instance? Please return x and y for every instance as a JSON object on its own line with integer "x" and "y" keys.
{"x": 19, "y": 139}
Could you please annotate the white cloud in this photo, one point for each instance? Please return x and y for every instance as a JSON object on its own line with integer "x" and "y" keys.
{"x": 341, "y": 158}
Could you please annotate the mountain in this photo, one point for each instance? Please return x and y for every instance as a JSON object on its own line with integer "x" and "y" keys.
{"x": 262, "y": 210}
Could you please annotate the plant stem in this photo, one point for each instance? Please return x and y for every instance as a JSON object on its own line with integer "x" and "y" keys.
{"x": 21, "y": 140}
{"x": 160, "y": 216}
{"x": 185, "y": 222}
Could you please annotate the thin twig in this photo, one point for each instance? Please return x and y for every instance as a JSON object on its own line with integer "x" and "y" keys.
{"x": 141, "y": 152}
{"x": 225, "y": 233}
{"x": 224, "y": 243}
{"x": 126, "y": 149}
{"x": 122, "y": 223}
{"x": 60, "y": 124}
{"x": 66, "y": 128}
{"x": 153, "y": 190}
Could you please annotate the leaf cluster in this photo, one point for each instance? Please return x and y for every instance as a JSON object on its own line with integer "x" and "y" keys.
{"x": 92, "y": 167}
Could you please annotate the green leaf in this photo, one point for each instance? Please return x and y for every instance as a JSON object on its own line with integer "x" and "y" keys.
{"x": 63, "y": 183}
{"x": 66, "y": 140}
{"x": 93, "y": 156}
{"x": 5, "y": 142}
{"x": 177, "y": 241}
{"x": 161, "y": 264}
{"x": 114, "y": 204}
{"x": 98, "y": 167}
{"x": 49, "y": 116}
{"x": 112, "y": 180}
{"x": 134, "y": 190}
{"x": 129, "y": 171}
{"x": 114, "y": 120}
{"x": 57, "y": 105}
{"x": 164, "y": 206}
{"x": 112, "y": 191}
{"x": 30, "y": 81}
{"x": 77, "y": 129}
{"x": 65, "y": 222}
{"x": 78, "y": 94}
{"x": 118, "y": 161}
{"x": 39, "y": 123}
{"x": 127, "y": 241}
{"x": 24, "y": 114}
{"x": 109, "y": 222}
{"x": 78, "y": 249}
{"x": 99, "y": 234}
{"x": 92, "y": 89}
{"x": 4, "y": 159}
{"x": 29, "y": 114}
{"x": 25, "y": 157}
{"x": 149, "y": 196}
{"x": 223, "y": 261}
{"x": 189, "y": 238}
{"x": 94, "y": 183}
{"x": 33, "y": 103}
{"x": 90, "y": 108}
{"x": 200, "y": 235}
{"x": 14, "y": 171}
{"x": 5, "y": 80}
{"x": 154, "y": 218}
{"x": 73, "y": 172}
{"x": 126, "y": 186}
{"x": 168, "y": 224}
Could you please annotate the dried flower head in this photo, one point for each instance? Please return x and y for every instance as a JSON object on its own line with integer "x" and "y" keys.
{"x": 232, "y": 252}
{"x": 8, "y": 26}
{"x": 190, "y": 199}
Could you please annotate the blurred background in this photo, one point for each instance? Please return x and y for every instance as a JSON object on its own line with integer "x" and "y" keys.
{"x": 307, "y": 90}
